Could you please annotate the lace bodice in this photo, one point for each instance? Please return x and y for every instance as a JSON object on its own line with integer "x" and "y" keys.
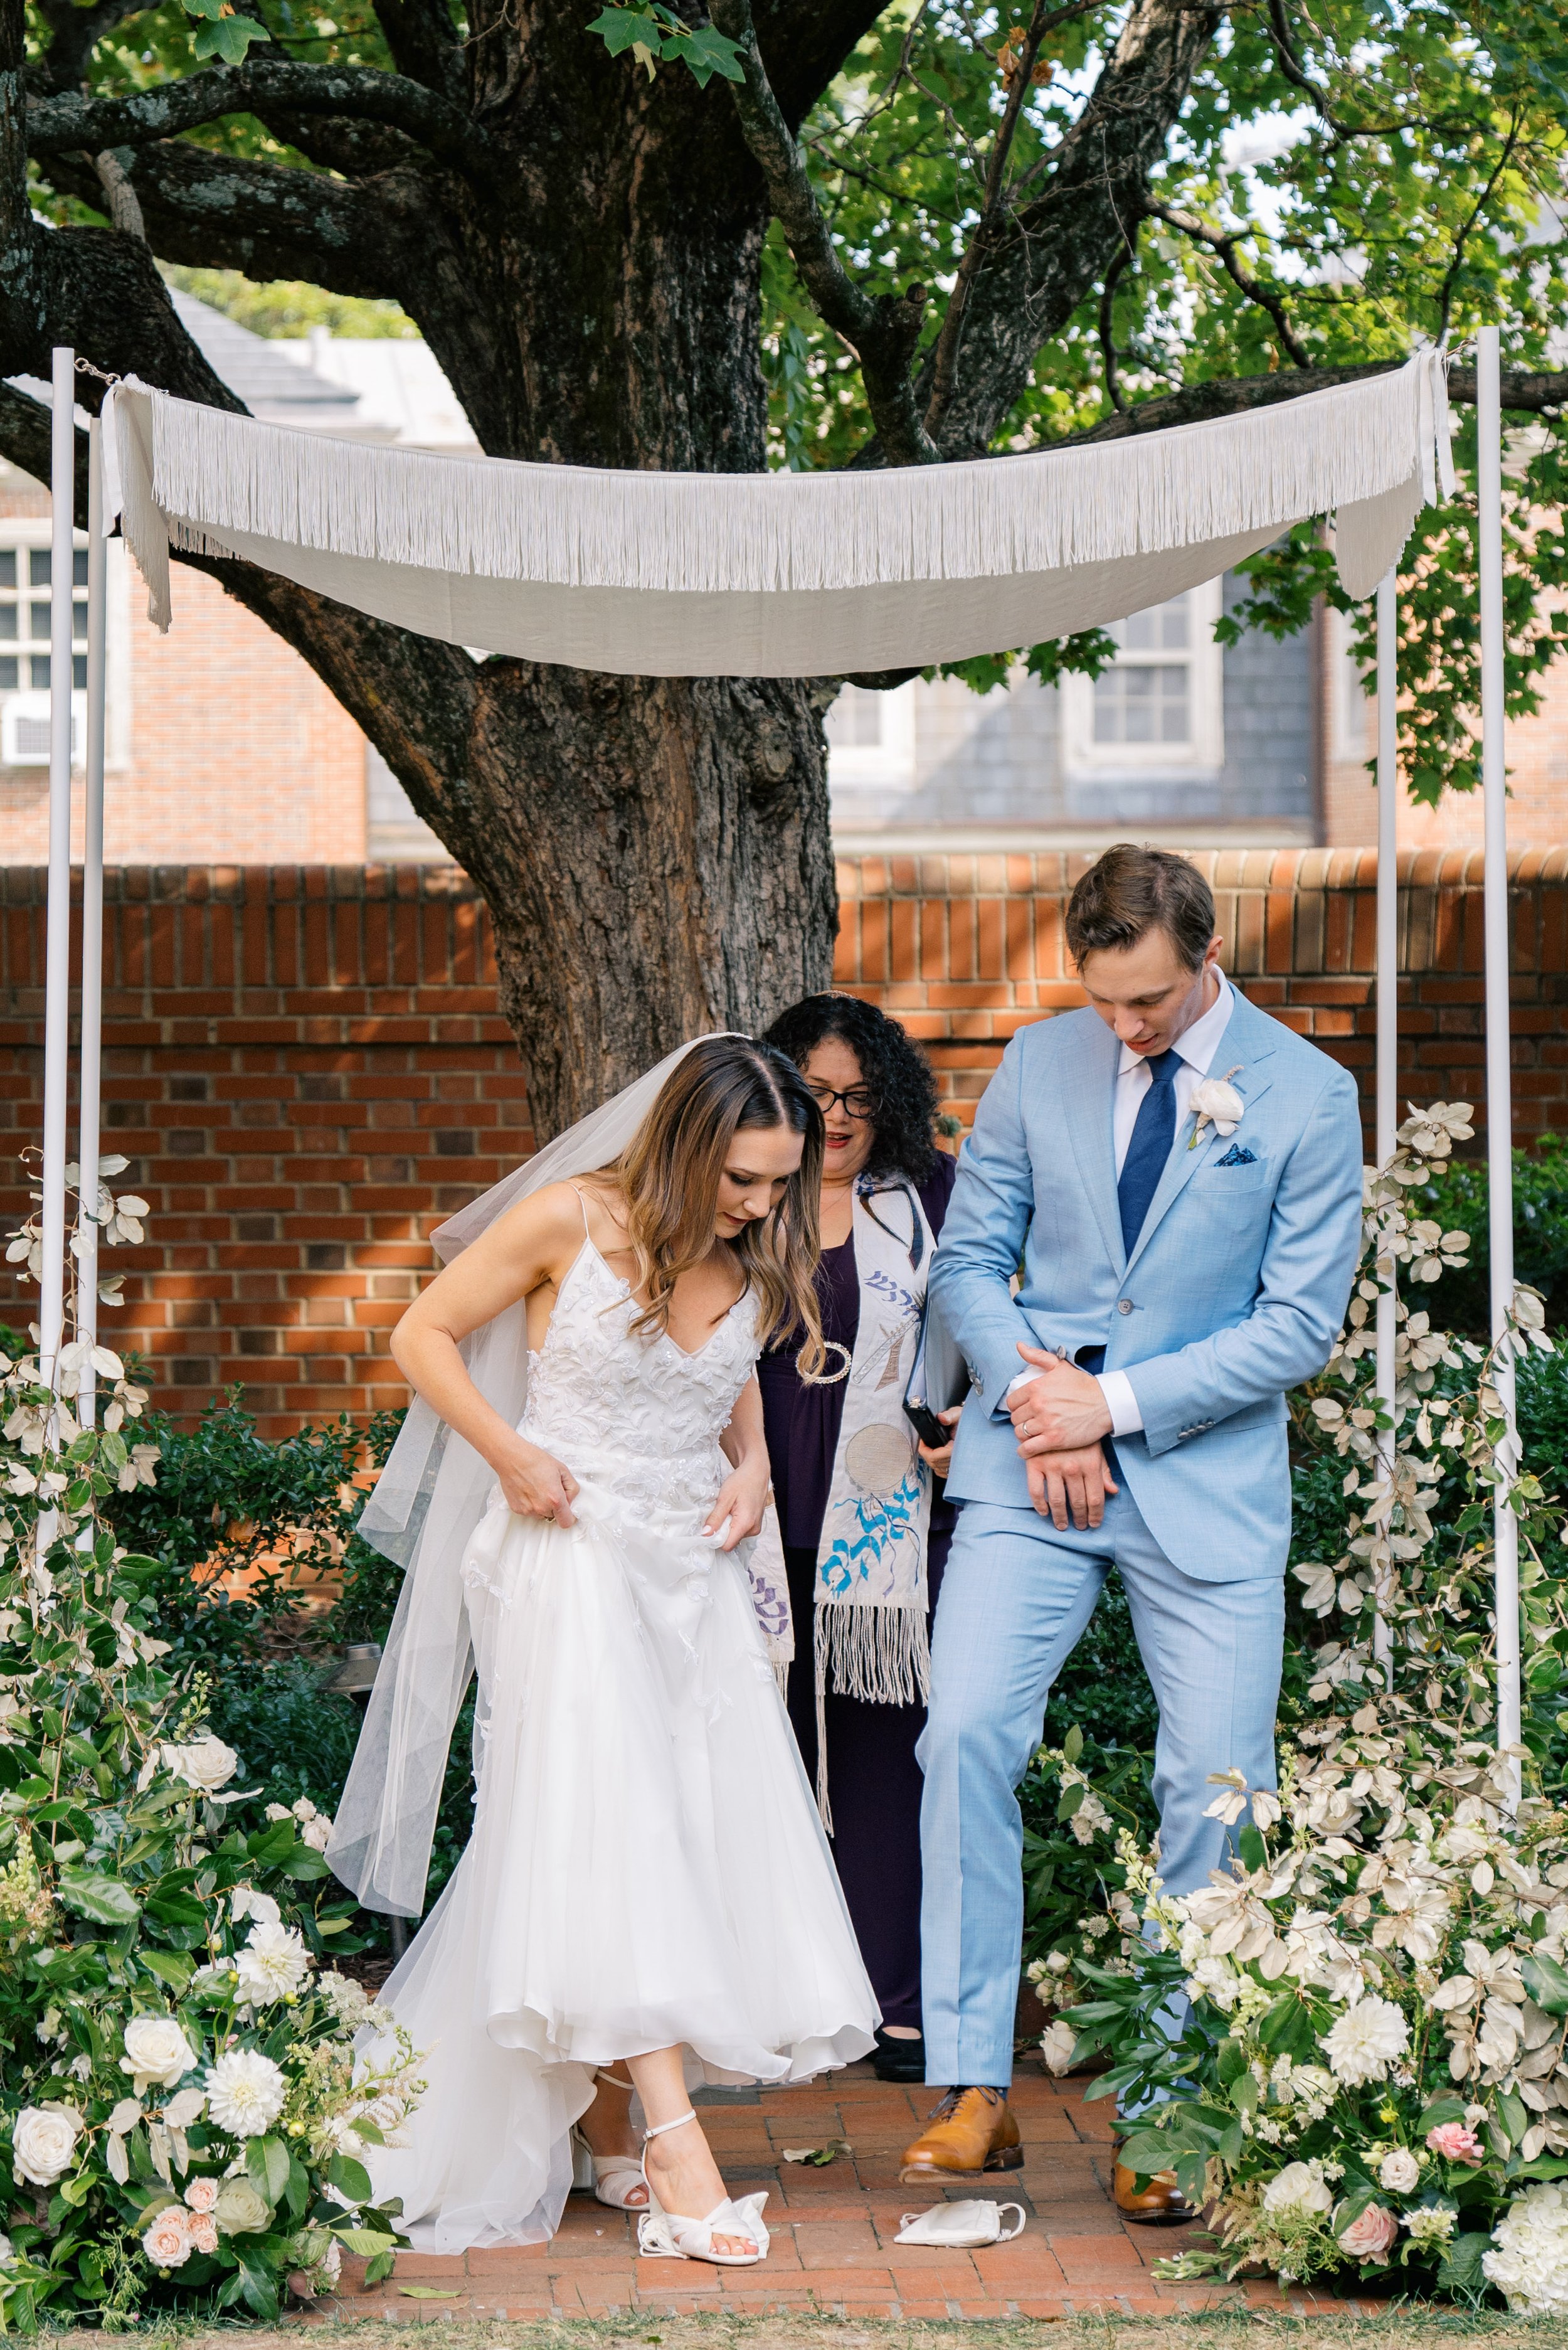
{"x": 632, "y": 1414}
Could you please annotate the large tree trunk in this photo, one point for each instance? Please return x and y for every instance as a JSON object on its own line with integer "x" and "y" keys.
{"x": 657, "y": 859}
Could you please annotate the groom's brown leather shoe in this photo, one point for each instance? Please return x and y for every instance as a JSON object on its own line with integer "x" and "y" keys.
{"x": 1161, "y": 2204}
{"x": 970, "y": 2130}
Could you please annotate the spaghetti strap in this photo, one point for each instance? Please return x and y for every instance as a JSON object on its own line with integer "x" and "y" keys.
{"x": 582, "y": 1203}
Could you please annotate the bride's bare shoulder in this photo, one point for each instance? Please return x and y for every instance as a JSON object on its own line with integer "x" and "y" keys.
{"x": 548, "y": 1221}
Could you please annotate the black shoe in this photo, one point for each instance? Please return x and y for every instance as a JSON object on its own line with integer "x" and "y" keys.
{"x": 899, "y": 2060}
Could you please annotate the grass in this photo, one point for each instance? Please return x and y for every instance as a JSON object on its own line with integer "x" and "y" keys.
{"x": 1411, "y": 2326}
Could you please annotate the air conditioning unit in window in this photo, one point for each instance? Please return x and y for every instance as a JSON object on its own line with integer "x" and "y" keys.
{"x": 25, "y": 729}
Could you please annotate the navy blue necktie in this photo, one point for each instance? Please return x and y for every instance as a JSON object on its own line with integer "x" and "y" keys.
{"x": 1152, "y": 1136}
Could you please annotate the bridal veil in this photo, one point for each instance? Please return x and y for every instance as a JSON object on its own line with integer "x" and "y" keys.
{"x": 423, "y": 1513}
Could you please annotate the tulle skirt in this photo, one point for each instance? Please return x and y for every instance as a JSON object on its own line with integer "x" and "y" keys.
{"x": 647, "y": 1869}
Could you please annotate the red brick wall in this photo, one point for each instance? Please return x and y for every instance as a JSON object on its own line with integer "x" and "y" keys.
{"x": 306, "y": 1067}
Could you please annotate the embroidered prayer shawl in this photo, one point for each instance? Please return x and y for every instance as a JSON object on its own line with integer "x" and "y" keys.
{"x": 869, "y": 1634}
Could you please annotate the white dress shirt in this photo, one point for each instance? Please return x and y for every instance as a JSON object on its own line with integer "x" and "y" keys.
{"x": 1197, "y": 1045}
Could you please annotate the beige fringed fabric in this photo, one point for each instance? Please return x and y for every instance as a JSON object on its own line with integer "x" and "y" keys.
{"x": 777, "y": 575}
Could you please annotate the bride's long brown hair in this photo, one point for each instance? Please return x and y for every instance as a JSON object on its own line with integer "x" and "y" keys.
{"x": 669, "y": 1179}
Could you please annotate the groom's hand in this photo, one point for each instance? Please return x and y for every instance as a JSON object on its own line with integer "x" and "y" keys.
{"x": 1061, "y": 1411}
{"x": 1064, "y": 1484}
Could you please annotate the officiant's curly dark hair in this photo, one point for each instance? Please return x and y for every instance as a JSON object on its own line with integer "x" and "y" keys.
{"x": 896, "y": 1071}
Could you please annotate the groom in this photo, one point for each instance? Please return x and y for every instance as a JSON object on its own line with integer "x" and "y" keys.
{"x": 1127, "y": 1408}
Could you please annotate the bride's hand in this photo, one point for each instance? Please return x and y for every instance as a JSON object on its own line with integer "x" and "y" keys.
{"x": 536, "y": 1485}
{"x": 743, "y": 1498}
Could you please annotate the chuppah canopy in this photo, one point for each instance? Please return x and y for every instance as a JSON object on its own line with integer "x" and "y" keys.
{"x": 777, "y": 575}
{"x": 808, "y": 575}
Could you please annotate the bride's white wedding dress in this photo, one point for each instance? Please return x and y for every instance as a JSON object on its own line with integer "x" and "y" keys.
{"x": 647, "y": 1867}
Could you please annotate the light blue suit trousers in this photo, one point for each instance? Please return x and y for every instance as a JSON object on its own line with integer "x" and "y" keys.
{"x": 1016, "y": 1597}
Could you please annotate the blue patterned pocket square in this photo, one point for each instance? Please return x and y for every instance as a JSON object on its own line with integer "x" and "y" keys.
{"x": 1238, "y": 1156}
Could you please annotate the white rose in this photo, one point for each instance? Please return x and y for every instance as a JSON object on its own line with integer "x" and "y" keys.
{"x": 206, "y": 1763}
{"x": 1213, "y": 1099}
{"x": 316, "y": 1833}
{"x": 1297, "y": 2188}
{"x": 1057, "y": 2042}
{"x": 44, "y": 2141}
{"x": 156, "y": 2050}
{"x": 1399, "y": 2171}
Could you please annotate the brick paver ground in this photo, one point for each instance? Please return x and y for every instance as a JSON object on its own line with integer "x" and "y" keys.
{"x": 833, "y": 2229}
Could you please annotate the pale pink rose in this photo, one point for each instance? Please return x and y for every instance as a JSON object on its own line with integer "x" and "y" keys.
{"x": 203, "y": 2233}
{"x": 1372, "y": 2237}
{"x": 1456, "y": 2143}
{"x": 201, "y": 2195}
{"x": 167, "y": 2243}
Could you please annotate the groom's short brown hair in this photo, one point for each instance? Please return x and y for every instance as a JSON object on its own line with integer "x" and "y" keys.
{"x": 1128, "y": 892}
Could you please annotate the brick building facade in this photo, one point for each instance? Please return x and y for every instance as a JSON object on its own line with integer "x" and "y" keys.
{"x": 306, "y": 1069}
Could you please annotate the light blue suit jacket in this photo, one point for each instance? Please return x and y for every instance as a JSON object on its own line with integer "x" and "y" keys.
{"x": 1232, "y": 1294}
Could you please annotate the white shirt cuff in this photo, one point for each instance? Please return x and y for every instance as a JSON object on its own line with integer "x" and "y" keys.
{"x": 1120, "y": 1403}
{"x": 1022, "y": 1380}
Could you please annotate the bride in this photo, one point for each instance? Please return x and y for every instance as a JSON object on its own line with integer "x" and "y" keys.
{"x": 646, "y": 1884}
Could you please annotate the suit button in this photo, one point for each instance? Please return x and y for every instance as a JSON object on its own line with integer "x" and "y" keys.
{"x": 1123, "y": 1306}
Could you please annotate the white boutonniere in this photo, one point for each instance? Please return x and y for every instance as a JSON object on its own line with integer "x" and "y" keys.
{"x": 1216, "y": 1103}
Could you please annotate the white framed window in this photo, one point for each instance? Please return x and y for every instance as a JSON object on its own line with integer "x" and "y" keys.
{"x": 1158, "y": 708}
{"x": 871, "y": 736}
{"x": 25, "y": 566}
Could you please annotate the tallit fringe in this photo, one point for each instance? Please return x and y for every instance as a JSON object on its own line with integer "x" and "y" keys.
{"x": 881, "y": 1655}
{"x": 781, "y": 1657}
{"x": 214, "y": 472}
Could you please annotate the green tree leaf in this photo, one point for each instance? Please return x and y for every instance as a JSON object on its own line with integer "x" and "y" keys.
{"x": 102, "y": 1899}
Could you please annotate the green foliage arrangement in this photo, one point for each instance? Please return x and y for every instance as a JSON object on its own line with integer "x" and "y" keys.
{"x": 182, "y": 2109}
{"x": 1358, "y": 2027}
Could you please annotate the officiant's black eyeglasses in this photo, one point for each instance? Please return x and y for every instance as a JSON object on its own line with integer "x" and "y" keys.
{"x": 858, "y": 1102}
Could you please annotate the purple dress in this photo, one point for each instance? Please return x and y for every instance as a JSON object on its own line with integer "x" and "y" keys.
{"x": 874, "y": 1780}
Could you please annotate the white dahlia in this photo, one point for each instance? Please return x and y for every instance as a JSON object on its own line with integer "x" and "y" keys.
{"x": 245, "y": 2091}
{"x": 273, "y": 1965}
{"x": 1365, "y": 2040}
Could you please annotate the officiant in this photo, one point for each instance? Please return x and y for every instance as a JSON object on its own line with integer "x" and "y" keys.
{"x": 864, "y": 1519}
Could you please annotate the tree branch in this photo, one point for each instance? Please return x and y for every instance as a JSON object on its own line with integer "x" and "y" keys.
{"x": 1224, "y": 244}
{"x": 1056, "y": 250}
{"x": 262, "y": 84}
{"x": 77, "y": 33}
{"x": 269, "y": 220}
{"x": 881, "y": 329}
{"x": 101, "y": 292}
{"x": 423, "y": 42}
{"x": 944, "y": 358}
{"x": 1108, "y": 355}
{"x": 1525, "y": 392}
{"x": 805, "y": 44}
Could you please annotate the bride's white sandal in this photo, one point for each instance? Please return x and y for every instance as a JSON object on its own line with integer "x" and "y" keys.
{"x": 614, "y": 2177}
{"x": 664, "y": 2235}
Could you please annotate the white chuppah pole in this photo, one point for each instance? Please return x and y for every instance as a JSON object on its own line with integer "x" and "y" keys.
{"x": 1388, "y": 1071}
{"x": 58, "y": 945}
{"x": 1498, "y": 1087}
{"x": 92, "y": 925}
